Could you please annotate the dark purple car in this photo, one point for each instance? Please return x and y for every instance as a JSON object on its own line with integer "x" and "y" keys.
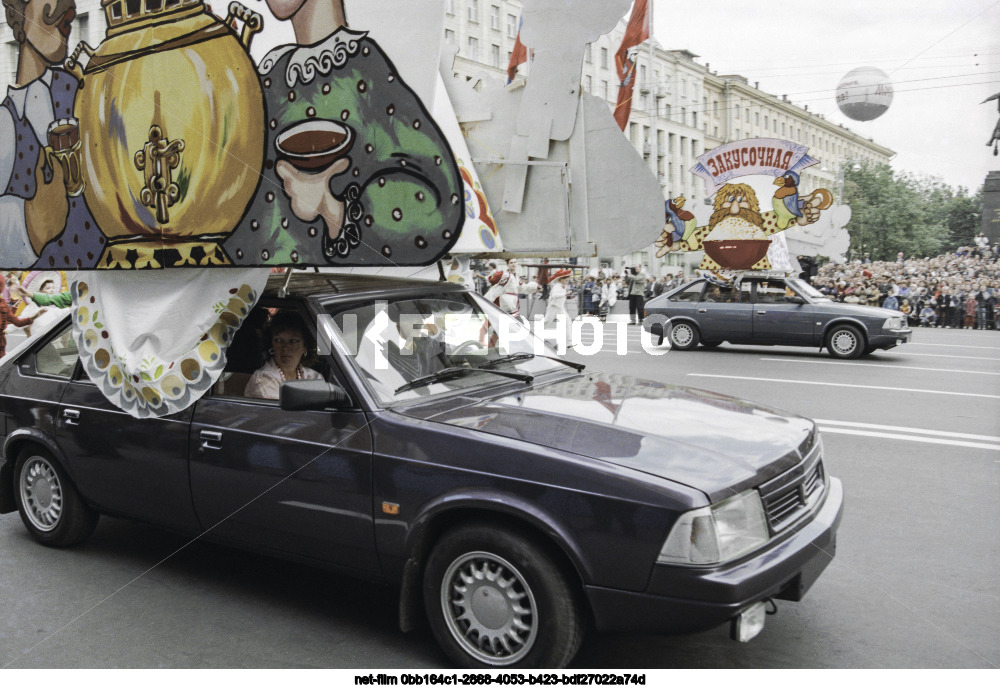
{"x": 511, "y": 497}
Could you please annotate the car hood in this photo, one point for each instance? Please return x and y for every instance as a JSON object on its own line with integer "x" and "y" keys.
{"x": 711, "y": 442}
{"x": 860, "y": 310}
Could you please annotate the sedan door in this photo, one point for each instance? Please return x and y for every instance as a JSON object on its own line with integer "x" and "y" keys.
{"x": 724, "y": 314}
{"x": 123, "y": 465}
{"x": 296, "y": 482}
{"x": 778, "y": 321}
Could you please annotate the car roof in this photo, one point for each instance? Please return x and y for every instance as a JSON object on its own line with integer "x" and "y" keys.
{"x": 350, "y": 285}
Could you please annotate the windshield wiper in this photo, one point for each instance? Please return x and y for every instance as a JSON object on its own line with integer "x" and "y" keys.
{"x": 522, "y": 356}
{"x": 457, "y": 372}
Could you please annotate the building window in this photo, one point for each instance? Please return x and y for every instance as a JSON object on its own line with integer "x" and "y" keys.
{"x": 511, "y": 26}
{"x": 495, "y": 55}
{"x": 473, "y": 10}
{"x": 588, "y": 84}
{"x": 473, "y": 52}
{"x": 642, "y": 75}
{"x": 756, "y": 119}
{"x": 782, "y": 128}
{"x": 666, "y": 110}
{"x": 588, "y": 54}
{"x": 684, "y": 115}
{"x": 449, "y": 36}
{"x": 774, "y": 126}
{"x": 715, "y": 132}
{"x": 495, "y": 17}
{"x": 715, "y": 108}
{"x": 451, "y": 7}
{"x": 747, "y": 117}
{"x": 765, "y": 121}
{"x": 604, "y": 89}
{"x": 604, "y": 58}
{"x": 737, "y": 134}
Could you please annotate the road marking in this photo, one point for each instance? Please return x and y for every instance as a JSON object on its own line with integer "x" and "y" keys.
{"x": 934, "y": 344}
{"x": 923, "y": 431}
{"x": 912, "y": 438}
{"x": 844, "y": 385}
{"x": 953, "y": 356}
{"x": 911, "y": 368}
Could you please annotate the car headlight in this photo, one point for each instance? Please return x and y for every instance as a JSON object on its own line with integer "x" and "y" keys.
{"x": 893, "y": 323}
{"x": 717, "y": 533}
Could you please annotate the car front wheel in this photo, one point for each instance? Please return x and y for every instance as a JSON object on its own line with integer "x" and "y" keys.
{"x": 495, "y": 598}
{"x": 48, "y": 503}
{"x": 684, "y": 336}
{"x": 845, "y": 342}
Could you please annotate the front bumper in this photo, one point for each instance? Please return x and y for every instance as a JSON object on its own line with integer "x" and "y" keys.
{"x": 891, "y": 338}
{"x": 692, "y": 599}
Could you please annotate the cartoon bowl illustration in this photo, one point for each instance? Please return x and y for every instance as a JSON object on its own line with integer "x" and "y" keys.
{"x": 737, "y": 254}
{"x": 314, "y": 144}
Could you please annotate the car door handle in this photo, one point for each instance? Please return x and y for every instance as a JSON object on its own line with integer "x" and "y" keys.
{"x": 72, "y": 417}
{"x": 761, "y": 313}
{"x": 702, "y": 310}
{"x": 211, "y": 440}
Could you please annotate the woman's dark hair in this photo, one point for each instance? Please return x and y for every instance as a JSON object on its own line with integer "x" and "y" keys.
{"x": 634, "y": 271}
{"x": 289, "y": 320}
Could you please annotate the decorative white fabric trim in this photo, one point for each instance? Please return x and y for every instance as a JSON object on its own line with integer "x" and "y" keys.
{"x": 324, "y": 57}
{"x": 155, "y": 342}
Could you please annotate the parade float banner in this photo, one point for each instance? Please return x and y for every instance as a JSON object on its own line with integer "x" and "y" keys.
{"x": 165, "y": 146}
{"x": 738, "y": 235}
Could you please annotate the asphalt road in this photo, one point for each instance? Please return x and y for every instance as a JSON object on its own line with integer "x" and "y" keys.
{"x": 914, "y": 434}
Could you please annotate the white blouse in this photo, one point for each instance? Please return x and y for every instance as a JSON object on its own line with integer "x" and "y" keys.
{"x": 266, "y": 380}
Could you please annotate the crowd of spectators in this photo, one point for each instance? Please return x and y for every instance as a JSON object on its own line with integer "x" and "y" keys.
{"x": 954, "y": 290}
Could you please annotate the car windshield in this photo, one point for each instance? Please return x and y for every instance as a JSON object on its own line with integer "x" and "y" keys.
{"x": 415, "y": 347}
{"x": 807, "y": 290}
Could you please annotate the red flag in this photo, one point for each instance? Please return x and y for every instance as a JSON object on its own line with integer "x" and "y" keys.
{"x": 519, "y": 55}
{"x": 636, "y": 32}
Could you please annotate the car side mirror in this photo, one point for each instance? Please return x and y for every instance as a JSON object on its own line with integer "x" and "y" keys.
{"x": 795, "y": 300}
{"x": 301, "y": 395}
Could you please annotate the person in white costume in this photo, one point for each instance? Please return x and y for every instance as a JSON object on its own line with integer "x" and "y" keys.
{"x": 506, "y": 288}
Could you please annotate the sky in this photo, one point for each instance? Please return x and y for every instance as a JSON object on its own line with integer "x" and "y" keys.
{"x": 942, "y": 56}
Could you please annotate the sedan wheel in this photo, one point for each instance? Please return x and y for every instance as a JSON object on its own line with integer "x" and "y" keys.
{"x": 683, "y": 336}
{"x": 49, "y": 505}
{"x": 496, "y": 599}
{"x": 845, "y": 342}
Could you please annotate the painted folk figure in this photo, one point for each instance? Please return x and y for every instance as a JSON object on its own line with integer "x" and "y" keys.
{"x": 323, "y": 158}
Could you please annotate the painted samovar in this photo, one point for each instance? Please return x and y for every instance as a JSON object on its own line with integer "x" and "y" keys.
{"x": 171, "y": 118}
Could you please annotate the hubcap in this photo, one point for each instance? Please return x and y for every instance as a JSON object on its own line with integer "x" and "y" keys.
{"x": 41, "y": 494}
{"x": 844, "y": 342}
{"x": 682, "y": 335}
{"x": 489, "y": 609}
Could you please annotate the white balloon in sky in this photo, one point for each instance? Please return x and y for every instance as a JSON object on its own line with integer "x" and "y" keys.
{"x": 864, "y": 93}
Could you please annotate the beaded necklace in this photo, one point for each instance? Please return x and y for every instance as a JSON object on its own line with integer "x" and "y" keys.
{"x": 298, "y": 371}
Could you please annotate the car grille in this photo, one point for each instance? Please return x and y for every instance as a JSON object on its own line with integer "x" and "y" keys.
{"x": 794, "y": 494}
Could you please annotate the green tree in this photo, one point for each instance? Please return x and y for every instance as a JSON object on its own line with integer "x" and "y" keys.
{"x": 918, "y": 215}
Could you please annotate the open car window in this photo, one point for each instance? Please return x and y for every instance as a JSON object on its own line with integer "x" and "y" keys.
{"x": 721, "y": 294}
{"x": 250, "y": 351}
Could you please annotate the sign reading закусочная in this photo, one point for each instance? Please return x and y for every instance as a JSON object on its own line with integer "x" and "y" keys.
{"x": 751, "y": 157}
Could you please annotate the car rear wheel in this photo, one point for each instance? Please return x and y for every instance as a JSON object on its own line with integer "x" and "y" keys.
{"x": 845, "y": 342}
{"x": 495, "y": 598}
{"x": 684, "y": 336}
{"x": 48, "y": 503}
